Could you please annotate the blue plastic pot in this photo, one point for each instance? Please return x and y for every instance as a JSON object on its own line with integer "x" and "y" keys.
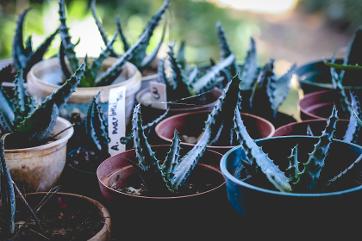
{"x": 251, "y": 201}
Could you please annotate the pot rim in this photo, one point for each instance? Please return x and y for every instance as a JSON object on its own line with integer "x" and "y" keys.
{"x": 101, "y": 208}
{"x": 169, "y": 140}
{"x": 68, "y": 134}
{"x": 303, "y": 122}
{"x": 229, "y": 176}
{"x": 319, "y": 84}
{"x": 39, "y": 65}
{"x": 184, "y": 109}
{"x": 207, "y": 166}
{"x": 311, "y": 95}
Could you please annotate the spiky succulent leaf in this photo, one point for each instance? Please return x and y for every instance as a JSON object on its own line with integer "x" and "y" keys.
{"x": 147, "y": 61}
{"x": 278, "y": 89}
{"x": 69, "y": 47}
{"x": 181, "y": 54}
{"x": 23, "y": 104}
{"x": 63, "y": 93}
{"x": 121, "y": 34}
{"x": 146, "y": 158}
{"x": 345, "y": 67}
{"x": 97, "y": 63}
{"x": 316, "y": 159}
{"x": 356, "y": 165}
{"x": 95, "y": 128}
{"x": 37, "y": 126}
{"x": 257, "y": 156}
{"x": 63, "y": 62}
{"x": 100, "y": 28}
{"x": 223, "y": 43}
{"x": 20, "y": 57}
{"x": 193, "y": 75}
{"x": 7, "y": 116}
{"x": 250, "y": 68}
{"x": 293, "y": 170}
{"x": 204, "y": 82}
{"x": 337, "y": 79}
{"x": 8, "y": 203}
{"x": 39, "y": 53}
{"x": 182, "y": 89}
{"x": 354, "y": 128}
{"x": 309, "y": 131}
{"x": 354, "y": 47}
{"x": 140, "y": 53}
{"x": 87, "y": 80}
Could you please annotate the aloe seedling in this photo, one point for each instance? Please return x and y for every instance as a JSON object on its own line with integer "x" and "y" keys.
{"x": 30, "y": 124}
{"x": 183, "y": 82}
{"x": 140, "y": 57}
{"x": 299, "y": 175}
{"x": 24, "y": 55}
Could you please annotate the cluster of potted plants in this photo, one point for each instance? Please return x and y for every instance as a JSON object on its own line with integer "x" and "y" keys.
{"x": 195, "y": 132}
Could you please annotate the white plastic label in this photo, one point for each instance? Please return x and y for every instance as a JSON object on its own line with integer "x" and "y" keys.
{"x": 116, "y": 119}
{"x": 159, "y": 97}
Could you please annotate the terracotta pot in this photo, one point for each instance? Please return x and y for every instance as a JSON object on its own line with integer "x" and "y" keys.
{"x": 318, "y": 105}
{"x": 262, "y": 201}
{"x": 192, "y": 104}
{"x": 135, "y": 212}
{"x": 192, "y": 124}
{"x": 38, "y": 168}
{"x": 104, "y": 234}
{"x": 45, "y": 76}
{"x": 317, "y": 126}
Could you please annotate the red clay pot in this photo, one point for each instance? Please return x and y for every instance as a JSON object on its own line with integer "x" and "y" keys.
{"x": 317, "y": 126}
{"x": 133, "y": 213}
{"x": 318, "y": 105}
{"x": 192, "y": 124}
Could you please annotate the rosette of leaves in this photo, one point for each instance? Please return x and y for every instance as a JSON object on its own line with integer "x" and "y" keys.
{"x": 23, "y": 53}
{"x": 184, "y": 81}
{"x": 300, "y": 175}
{"x": 262, "y": 90}
{"x": 28, "y": 123}
{"x": 140, "y": 57}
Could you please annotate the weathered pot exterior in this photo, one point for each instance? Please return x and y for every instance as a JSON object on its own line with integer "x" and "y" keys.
{"x": 105, "y": 233}
{"x": 318, "y": 105}
{"x": 317, "y": 126}
{"x": 251, "y": 201}
{"x": 192, "y": 124}
{"x": 45, "y": 76}
{"x": 38, "y": 168}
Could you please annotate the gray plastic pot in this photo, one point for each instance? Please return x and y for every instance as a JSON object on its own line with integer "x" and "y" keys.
{"x": 39, "y": 168}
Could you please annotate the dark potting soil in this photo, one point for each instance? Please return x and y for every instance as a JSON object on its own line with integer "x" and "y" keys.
{"x": 61, "y": 219}
{"x": 135, "y": 185}
{"x": 83, "y": 159}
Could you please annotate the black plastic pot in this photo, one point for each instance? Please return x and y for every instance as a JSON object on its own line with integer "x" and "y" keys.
{"x": 251, "y": 201}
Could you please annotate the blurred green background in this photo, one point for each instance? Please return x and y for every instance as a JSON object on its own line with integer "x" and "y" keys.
{"x": 292, "y": 31}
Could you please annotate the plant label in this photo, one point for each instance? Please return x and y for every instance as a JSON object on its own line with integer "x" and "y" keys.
{"x": 116, "y": 119}
{"x": 158, "y": 95}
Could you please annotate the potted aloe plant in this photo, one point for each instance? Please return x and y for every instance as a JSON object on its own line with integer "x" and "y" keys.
{"x": 294, "y": 176}
{"x": 262, "y": 90}
{"x": 187, "y": 89}
{"x": 24, "y": 55}
{"x": 167, "y": 181}
{"x": 193, "y": 126}
{"x": 36, "y": 147}
{"x": 315, "y": 76}
{"x": 147, "y": 64}
{"x": 102, "y": 73}
{"x": 48, "y": 216}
